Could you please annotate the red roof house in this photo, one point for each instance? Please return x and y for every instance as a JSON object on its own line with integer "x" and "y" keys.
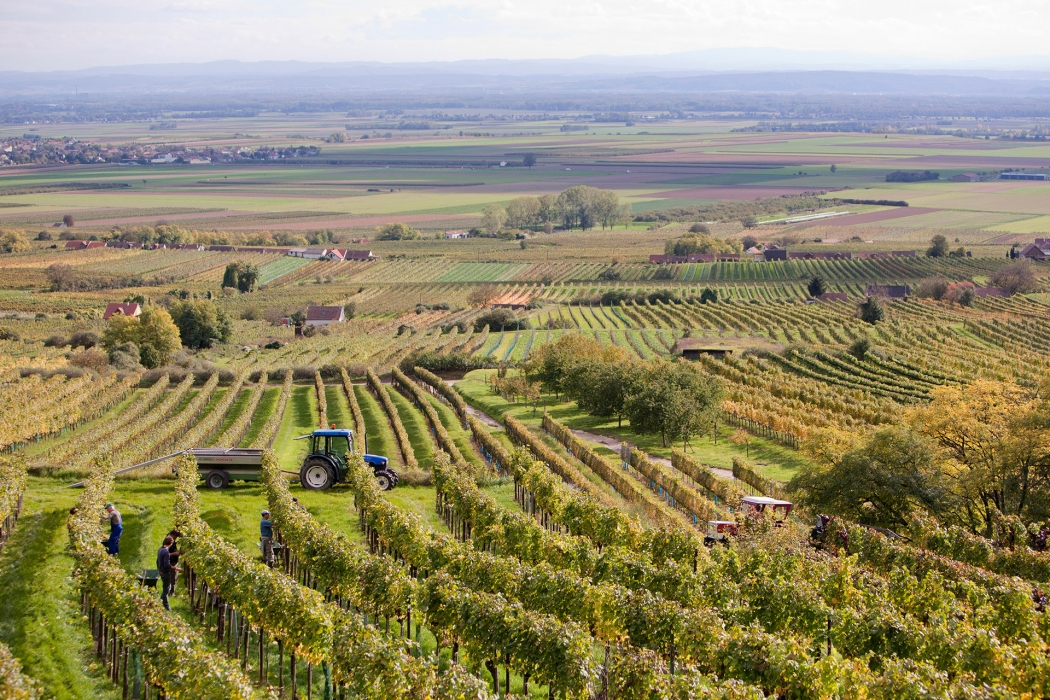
{"x": 125, "y": 309}
{"x": 324, "y": 315}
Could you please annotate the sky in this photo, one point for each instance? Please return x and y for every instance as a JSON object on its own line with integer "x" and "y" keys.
{"x": 71, "y": 34}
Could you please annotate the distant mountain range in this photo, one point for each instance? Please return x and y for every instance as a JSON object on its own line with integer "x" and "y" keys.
{"x": 708, "y": 71}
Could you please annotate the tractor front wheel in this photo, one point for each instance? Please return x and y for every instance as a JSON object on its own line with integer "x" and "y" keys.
{"x": 384, "y": 481}
{"x": 316, "y": 475}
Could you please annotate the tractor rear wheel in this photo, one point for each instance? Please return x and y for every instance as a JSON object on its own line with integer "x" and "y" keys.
{"x": 316, "y": 474}
{"x": 217, "y": 479}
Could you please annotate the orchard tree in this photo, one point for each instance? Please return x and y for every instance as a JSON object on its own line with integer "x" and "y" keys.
{"x": 200, "y": 324}
{"x": 673, "y": 399}
{"x": 493, "y": 217}
{"x": 397, "y": 232}
{"x": 12, "y": 241}
{"x": 938, "y": 247}
{"x": 883, "y": 482}
{"x": 153, "y": 332}
{"x": 993, "y": 441}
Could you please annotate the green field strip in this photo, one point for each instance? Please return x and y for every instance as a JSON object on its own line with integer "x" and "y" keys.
{"x": 417, "y": 429}
{"x": 40, "y": 616}
{"x": 236, "y": 409}
{"x": 524, "y": 346}
{"x": 491, "y": 343}
{"x": 338, "y": 408}
{"x": 279, "y": 268}
{"x": 300, "y": 418}
{"x": 379, "y": 436}
{"x": 459, "y": 435}
{"x": 210, "y": 406}
{"x": 265, "y": 409}
{"x": 511, "y": 345}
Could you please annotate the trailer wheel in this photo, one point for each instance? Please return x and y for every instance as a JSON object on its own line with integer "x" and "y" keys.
{"x": 217, "y": 479}
{"x": 316, "y": 475}
{"x": 384, "y": 481}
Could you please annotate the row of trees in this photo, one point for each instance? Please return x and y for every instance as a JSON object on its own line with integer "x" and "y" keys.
{"x": 675, "y": 400}
{"x": 972, "y": 452}
{"x": 579, "y": 206}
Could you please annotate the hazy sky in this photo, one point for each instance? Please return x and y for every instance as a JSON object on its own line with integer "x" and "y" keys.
{"x": 63, "y": 34}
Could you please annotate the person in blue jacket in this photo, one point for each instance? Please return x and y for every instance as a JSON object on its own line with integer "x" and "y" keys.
{"x": 266, "y": 538}
{"x": 116, "y": 528}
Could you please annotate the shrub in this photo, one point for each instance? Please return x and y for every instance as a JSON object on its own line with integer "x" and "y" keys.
{"x": 56, "y": 341}
{"x": 84, "y": 339}
{"x": 90, "y": 359}
{"x": 504, "y": 319}
{"x": 932, "y": 288}
{"x": 859, "y": 349}
{"x": 1018, "y": 277}
{"x": 8, "y": 334}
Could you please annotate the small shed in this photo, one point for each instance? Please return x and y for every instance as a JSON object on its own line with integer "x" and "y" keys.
{"x": 967, "y": 177}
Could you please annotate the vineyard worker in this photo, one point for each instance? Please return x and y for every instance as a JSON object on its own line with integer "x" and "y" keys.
{"x": 296, "y": 502}
{"x": 116, "y": 528}
{"x": 174, "y": 554}
{"x": 266, "y": 538}
{"x": 166, "y": 569}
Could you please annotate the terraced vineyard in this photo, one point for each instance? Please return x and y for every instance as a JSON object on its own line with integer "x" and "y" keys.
{"x": 535, "y": 545}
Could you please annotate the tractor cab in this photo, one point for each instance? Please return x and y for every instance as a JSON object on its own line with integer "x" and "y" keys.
{"x": 325, "y": 462}
{"x": 763, "y": 505}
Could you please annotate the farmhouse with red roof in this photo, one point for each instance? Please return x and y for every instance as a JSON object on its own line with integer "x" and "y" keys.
{"x": 324, "y": 315}
{"x": 125, "y": 309}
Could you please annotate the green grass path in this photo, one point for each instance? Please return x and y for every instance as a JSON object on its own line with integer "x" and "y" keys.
{"x": 40, "y": 607}
{"x": 380, "y": 436}
{"x": 300, "y": 418}
{"x": 417, "y": 429}
{"x": 266, "y": 407}
{"x": 236, "y": 409}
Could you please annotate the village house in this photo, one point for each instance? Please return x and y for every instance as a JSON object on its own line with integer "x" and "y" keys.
{"x": 324, "y": 315}
{"x": 1040, "y": 250}
{"x": 122, "y": 308}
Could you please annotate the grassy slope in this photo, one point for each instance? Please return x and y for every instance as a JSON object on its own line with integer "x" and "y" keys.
{"x": 455, "y": 429}
{"x": 236, "y": 409}
{"x": 40, "y": 609}
{"x": 266, "y": 407}
{"x": 417, "y": 429}
{"x": 300, "y": 418}
{"x": 379, "y": 435}
{"x": 770, "y": 458}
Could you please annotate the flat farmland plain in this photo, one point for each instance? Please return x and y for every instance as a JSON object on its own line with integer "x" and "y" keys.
{"x": 443, "y": 177}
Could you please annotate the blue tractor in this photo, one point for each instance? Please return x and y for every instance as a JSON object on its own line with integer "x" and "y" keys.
{"x": 325, "y": 463}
